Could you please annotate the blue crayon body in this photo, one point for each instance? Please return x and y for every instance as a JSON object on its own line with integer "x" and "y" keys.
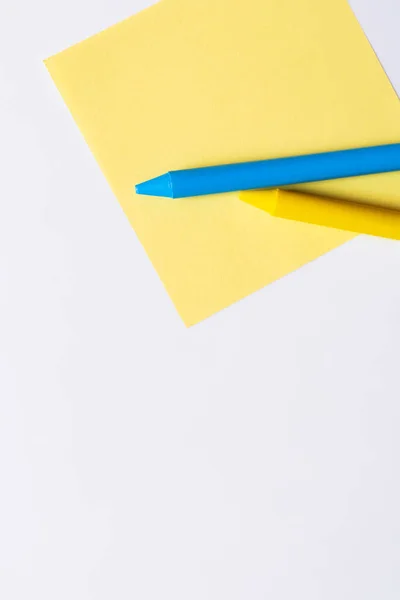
{"x": 273, "y": 173}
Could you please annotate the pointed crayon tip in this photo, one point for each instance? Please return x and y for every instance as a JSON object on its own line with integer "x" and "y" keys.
{"x": 159, "y": 186}
{"x": 267, "y": 200}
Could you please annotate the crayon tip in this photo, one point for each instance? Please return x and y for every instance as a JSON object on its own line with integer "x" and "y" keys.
{"x": 159, "y": 186}
{"x": 267, "y": 200}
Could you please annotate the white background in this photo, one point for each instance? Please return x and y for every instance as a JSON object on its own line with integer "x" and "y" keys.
{"x": 253, "y": 456}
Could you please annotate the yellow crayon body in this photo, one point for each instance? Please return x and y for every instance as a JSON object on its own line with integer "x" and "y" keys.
{"x": 328, "y": 212}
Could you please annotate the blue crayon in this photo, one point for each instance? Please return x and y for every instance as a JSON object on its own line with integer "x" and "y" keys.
{"x": 274, "y": 173}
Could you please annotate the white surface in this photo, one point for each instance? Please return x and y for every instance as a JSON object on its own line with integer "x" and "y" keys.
{"x": 253, "y": 456}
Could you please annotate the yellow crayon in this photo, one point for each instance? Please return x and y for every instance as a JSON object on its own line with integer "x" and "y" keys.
{"x": 328, "y": 212}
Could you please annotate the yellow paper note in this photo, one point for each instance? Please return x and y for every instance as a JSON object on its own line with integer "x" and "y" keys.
{"x": 190, "y": 83}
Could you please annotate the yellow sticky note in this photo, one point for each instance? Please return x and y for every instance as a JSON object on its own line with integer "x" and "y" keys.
{"x": 190, "y": 83}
